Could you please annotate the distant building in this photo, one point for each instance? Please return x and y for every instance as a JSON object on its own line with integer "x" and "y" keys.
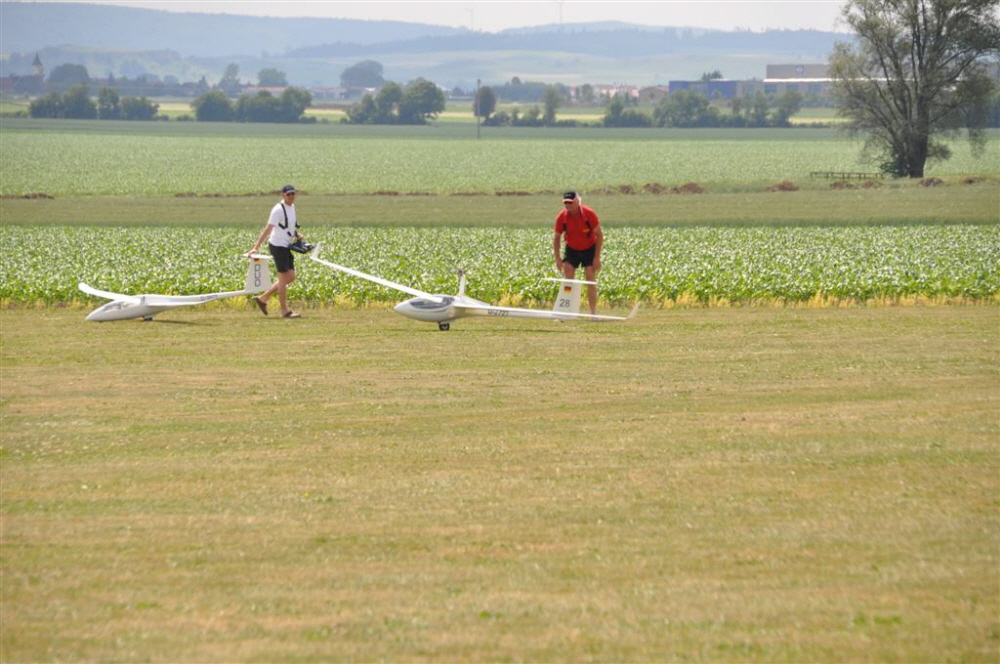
{"x": 327, "y": 92}
{"x": 614, "y": 89}
{"x": 819, "y": 72}
{"x": 807, "y": 79}
{"x": 273, "y": 90}
{"x": 32, "y": 84}
{"x": 715, "y": 88}
{"x": 654, "y": 94}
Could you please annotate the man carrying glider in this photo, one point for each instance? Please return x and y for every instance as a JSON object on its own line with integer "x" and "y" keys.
{"x": 584, "y": 238}
{"x": 283, "y": 229}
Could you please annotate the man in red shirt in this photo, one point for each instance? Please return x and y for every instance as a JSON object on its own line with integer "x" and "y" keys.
{"x": 584, "y": 238}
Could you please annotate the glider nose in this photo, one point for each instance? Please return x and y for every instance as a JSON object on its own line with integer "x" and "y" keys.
{"x": 98, "y": 315}
{"x": 419, "y": 308}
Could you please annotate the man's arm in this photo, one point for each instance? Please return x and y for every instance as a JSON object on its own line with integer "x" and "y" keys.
{"x": 598, "y": 243}
{"x": 556, "y": 247}
{"x": 264, "y": 233}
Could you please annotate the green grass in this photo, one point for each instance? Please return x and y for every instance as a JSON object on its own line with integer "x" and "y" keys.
{"x": 711, "y": 485}
{"x": 745, "y": 204}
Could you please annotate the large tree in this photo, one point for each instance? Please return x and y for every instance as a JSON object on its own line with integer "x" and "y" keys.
{"x": 421, "y": 101}
{"x": 484, "y": 103}
{"x": 917, "y": 71}
{"x": 230, "y": 81}
{"x": 552, "y": 100}
{"x": 364, "y": 74}
{"x": 67, "y": 75}
{"x": 213, "y": 106}
{"x": 271, "y": 78}
{"x": 387, "y": 102}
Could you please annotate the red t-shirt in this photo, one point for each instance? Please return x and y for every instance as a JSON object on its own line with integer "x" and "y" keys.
{"x": 579, "y": 229}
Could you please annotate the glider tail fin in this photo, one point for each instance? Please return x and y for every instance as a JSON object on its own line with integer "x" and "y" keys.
{"x": 568, "y": 297}
{"x": 258, "y": 276}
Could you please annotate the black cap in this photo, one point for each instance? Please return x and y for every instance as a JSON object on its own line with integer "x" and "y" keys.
{"x": 569, "y": 196}
{"x": 288, "y": 189}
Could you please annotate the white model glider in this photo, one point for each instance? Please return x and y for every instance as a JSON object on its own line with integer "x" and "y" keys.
{"x": 123, "y": 307}
{"x": 442, "y": 309}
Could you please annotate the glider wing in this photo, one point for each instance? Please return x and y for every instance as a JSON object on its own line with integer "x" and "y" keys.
{"x": 515, "y": 312}
{"x": 378, "y": 280}
{"x": 90, "y": 290}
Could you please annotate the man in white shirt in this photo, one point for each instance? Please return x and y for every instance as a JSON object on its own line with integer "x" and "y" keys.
{"x": 282, "y": 228}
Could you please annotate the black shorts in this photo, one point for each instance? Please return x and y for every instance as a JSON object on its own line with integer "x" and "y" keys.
{"x": 283, "y": 258}
{"x": 577, "y": 257}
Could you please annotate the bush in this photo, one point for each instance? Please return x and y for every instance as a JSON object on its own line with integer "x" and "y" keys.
{"x": 213, "y": 106}
{"x": 49, "y": 106}
{"x": 138, "y": 108}
{"x": 265, "y": 107}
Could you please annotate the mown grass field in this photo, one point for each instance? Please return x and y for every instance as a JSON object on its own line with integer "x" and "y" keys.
{"x": 710, "y": 485}
{"x": 772, "y": 479}
{"x": 745, "y": 205}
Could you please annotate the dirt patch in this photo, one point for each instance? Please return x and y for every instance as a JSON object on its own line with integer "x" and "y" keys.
{"x": 34, "y": 195}
{"x": 784, "y": 185}
{"x": 689, "y": 188}
{"x": 249, "y": 194}
{"x": 626, "y": 189}
{"x": 513, "y": 193}
{"x": 931, "y": 182}
{"x": 655, "y": 188}
{"x": 867, "y": 184}
{"x": 468, "y": 193}
{"x": 971, "y": 180}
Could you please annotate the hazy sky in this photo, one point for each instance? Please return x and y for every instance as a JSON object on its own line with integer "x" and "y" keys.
{"x": 493, "y": 15}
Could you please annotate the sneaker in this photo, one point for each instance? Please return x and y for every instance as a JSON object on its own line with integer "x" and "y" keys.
{"x": 290, "y": 314}
{"x": 261, "y": 304}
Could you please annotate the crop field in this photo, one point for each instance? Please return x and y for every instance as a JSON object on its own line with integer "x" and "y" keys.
{"x": 662, "y": 267}
{"x": 144, "y": 159}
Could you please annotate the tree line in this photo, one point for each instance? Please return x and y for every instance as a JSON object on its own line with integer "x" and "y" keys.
{"x": 215, "y": 106}
{"x": 412, "y": 104}
{"x": 76, "y": 103}
{"x": 684, "y": 108}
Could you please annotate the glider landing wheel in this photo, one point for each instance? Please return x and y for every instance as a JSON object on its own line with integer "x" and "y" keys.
{"x": 444, "y": 327}
{"x": 147, "y": 318}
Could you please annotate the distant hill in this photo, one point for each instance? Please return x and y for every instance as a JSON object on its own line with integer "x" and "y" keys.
{"x": 33, "y": 26}
{"x": 130, "y": 42}
{"x": 621, "y": 42}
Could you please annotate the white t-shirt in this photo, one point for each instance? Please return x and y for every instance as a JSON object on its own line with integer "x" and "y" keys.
{"x": 282, "y": 231}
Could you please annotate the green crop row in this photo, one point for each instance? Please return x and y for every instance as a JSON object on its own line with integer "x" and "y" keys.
{"x": 654, "y": 265}
{"x": 118, "y": 161}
